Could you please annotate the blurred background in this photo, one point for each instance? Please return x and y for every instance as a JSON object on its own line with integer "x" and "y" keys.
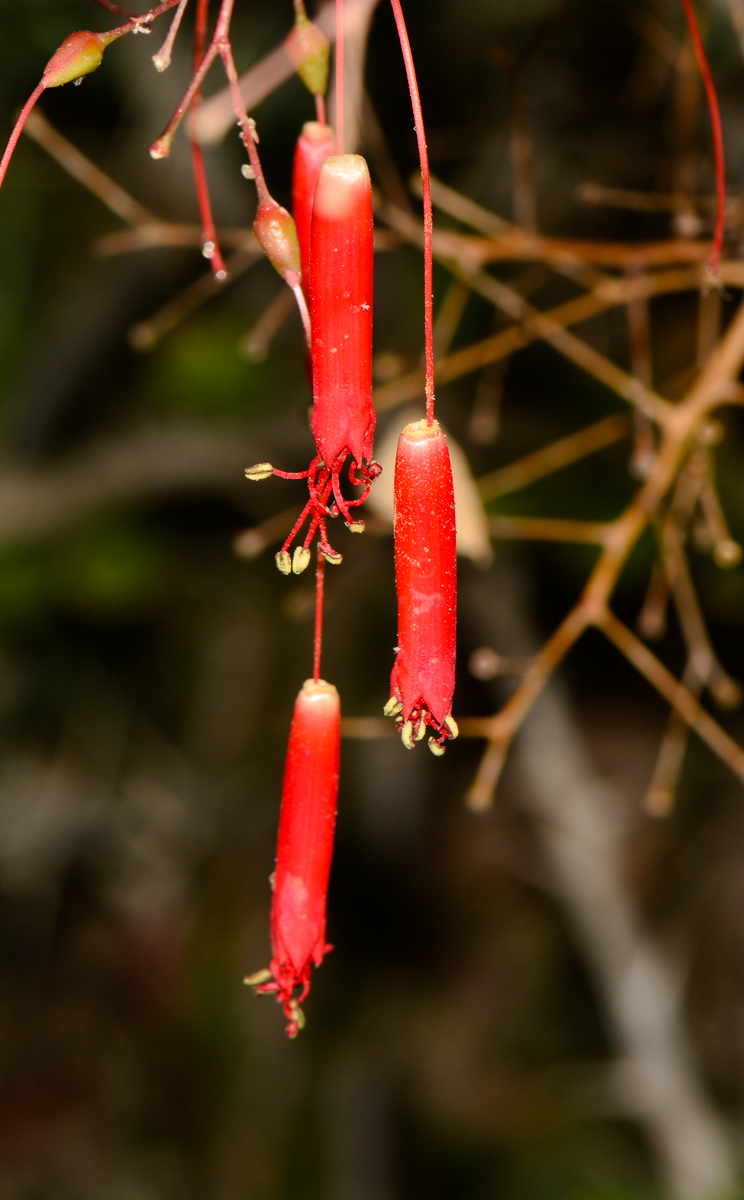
{"x": 544, "y": 1000}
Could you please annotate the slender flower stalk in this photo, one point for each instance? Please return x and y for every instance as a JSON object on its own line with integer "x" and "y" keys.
{"x": 162, "y": 59}
{"x": 304, "y": 852}
{"x": 319, "y": 596}
{"x": 343, "y": 419}
{"x": 423, "y": 678}
{"x": 340, "y": 76}
{"x": 418, "y": 120}
{"x": 314, "y": 145}
{"x": 715, "y": 122}
{"x": 210, "y": 245}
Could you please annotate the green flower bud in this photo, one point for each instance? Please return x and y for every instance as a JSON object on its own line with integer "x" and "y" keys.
{"x": 79, "y": 54}
{"x": 309, "y": 49}
{"x": 275, "y": 230}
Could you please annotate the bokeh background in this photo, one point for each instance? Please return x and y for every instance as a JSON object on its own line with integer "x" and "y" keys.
{"x": 463, "y": 1039}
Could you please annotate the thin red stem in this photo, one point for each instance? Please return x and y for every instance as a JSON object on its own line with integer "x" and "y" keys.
{"x": 715, "y": 122}
{"x": 209, "y": 232}
{"x": 162, "y": 59}
{"x": 161, "y": 147}
{"x": 319, "y": 589}
{"x": 137, "y": 22}
{"x": 339, "y": 76}
{"x": 418, "y": 119}
{"x": 247, "y": 126}
{"x": 320, "y": 110}
{"x": 114, "y": 8}
{"x": 17, "y": 130}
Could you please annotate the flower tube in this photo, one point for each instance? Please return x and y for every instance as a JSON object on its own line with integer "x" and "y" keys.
{"x": 423, "y": 678}
{"x": 314, "y": 145}
{"x": 343, "y": 419}
{"x": 305, "y": 849}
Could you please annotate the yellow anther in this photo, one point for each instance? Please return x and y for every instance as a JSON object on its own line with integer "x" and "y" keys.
{"x": 451, "y": 724}
{"x": 284, "y": 562}
{"x": 406, "y": 735}
{"x": 259, "y": 471}
{"x": 301, "y": 559}
{"x": 259, "y": 978}
{"x": 393, "y": 707}
{"x": 436, "y": 747}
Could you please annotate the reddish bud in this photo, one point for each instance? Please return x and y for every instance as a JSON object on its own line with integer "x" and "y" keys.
{"x": 79, "y": 54}
{"x": 276, "y": 232}
{"x": 423, "y": 678}
{"x": 341, "y": 270}
{"x": 303, "y": 864}
{"x": 314, "y": 145}
{"x": 309, "y": 49}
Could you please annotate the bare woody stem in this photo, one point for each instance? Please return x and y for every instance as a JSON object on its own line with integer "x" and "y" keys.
{"x": 418, "y": 118}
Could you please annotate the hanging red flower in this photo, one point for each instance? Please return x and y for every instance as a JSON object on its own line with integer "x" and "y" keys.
{"x": 423, "y": 678}
{"x": 343, "y": 419}
{"x": 303, "y": 862}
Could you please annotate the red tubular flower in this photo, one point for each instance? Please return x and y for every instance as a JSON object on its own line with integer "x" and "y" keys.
{"x": 303, "y": 863}
{"x": 423, "y": 678}
{"x": 343, "y": 419}
{"x": 314, "y": 145}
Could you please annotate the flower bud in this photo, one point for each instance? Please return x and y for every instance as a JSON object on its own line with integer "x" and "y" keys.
{"x": 423, "y": 678}
{"x": 275, "y": 230}
{"x": 314, "y": 145}
{"x": 79, "y": 54}
{"x": 303, "y": 863}
{"x": 309, "y": 49}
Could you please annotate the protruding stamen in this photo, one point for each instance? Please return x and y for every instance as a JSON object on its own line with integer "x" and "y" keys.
{"x": 355, "y": 526}
{"x": 436, "y": 747}
{"x": 284, "y": 562}
{"x": 406, "y": 735}
{"x": 420, "y": 730}
{"x": 258, "y": 978}
{"x": 301, "y": 559}
{"x": 451, "y": 724}
{"x": 331, "y": 556}
{"x": 393, "y": 707}
{"x": 259, "y": 471}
